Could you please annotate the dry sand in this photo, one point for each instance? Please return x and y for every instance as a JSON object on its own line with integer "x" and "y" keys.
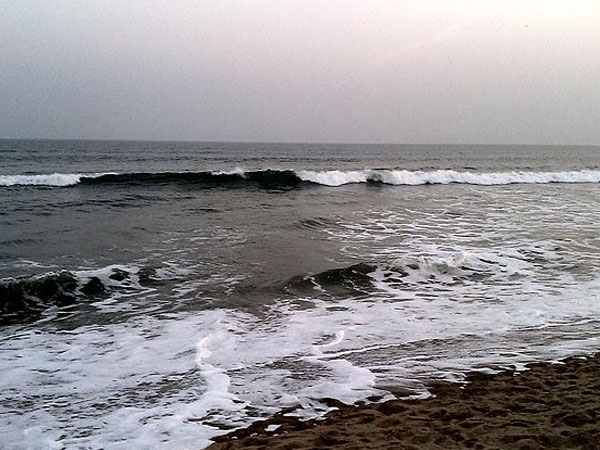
{"x": 549, "y": 406}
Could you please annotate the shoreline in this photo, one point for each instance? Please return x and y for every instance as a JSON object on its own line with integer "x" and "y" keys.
{"x": 549, "y": 405}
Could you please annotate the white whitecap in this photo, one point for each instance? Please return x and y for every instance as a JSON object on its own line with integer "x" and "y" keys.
{"x": 54, "y": 179}
{"x": 414, "y": 178}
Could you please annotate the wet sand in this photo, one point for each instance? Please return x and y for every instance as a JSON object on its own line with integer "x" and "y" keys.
{"x": 549, "y": 406}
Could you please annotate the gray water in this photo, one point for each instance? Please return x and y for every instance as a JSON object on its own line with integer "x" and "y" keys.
{"x": 155, "y": 294}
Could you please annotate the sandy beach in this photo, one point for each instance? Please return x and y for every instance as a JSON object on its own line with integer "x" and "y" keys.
{"x": 549, "y": 406}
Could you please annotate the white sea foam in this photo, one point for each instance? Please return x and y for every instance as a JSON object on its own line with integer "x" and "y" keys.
{"x": 405, "y": 177}
{"x": 55, "y": 179}
{"x": 237, "y": 171}
{"x": 177, "y": 380}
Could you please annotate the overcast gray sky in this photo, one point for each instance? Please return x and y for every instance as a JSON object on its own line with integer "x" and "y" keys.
{"x": 421, "y": 71}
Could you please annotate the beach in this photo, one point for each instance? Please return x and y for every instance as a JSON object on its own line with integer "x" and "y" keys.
{"x": 547, "y": 406}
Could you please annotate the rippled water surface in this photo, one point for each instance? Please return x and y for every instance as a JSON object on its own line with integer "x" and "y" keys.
{"x": 153, "y": 295}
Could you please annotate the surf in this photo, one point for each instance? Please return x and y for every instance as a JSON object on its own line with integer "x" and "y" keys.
{"x": 292, "y": 178}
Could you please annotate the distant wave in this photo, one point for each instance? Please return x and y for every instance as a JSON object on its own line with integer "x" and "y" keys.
{"x": 290, "y": 178}
{"x": 55, "y": 179}
{"x": 414, "y": 178}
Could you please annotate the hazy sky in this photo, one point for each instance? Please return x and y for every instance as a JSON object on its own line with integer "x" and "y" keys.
{"x": 421, "y": 71}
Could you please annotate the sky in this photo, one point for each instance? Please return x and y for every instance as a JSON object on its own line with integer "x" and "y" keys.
{"x": 395, "y": 71}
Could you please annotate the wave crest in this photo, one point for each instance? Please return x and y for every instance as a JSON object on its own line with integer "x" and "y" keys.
{"x": 414, "y": 178}
{"x": 55, "y": 179}
{"x": 275, "y": 178}
{"x": 402, "y": 276}
{"x": 24, "y": 299}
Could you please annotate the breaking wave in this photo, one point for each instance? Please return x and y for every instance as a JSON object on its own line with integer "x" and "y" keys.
{"x": 413, "y": 178}
{"x": 290, "y": 178}
{"x": 352, "y": 280}
{"x": 407, "y": 273}
{"x": 267, "y": 178}
{"x": 24, "y": 299}
{"x": 55, "y": 179}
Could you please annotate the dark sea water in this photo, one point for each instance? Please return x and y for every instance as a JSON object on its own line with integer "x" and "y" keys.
{"x": 155, "y": 294}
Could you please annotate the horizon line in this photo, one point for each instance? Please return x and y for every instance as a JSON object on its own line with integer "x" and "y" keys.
{"x": 294, "y": 142}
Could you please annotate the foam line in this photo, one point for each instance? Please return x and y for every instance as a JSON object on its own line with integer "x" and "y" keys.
{"x": 274, "y": 177}
{"x": 55, "y": 179}
{"x": 413, "y": 178}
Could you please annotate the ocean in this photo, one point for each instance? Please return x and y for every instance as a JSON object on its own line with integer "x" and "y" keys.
{"x": 157, "y": 294}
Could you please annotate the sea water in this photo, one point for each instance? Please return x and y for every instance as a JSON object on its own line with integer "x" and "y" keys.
{"x": 156, "y": 294}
